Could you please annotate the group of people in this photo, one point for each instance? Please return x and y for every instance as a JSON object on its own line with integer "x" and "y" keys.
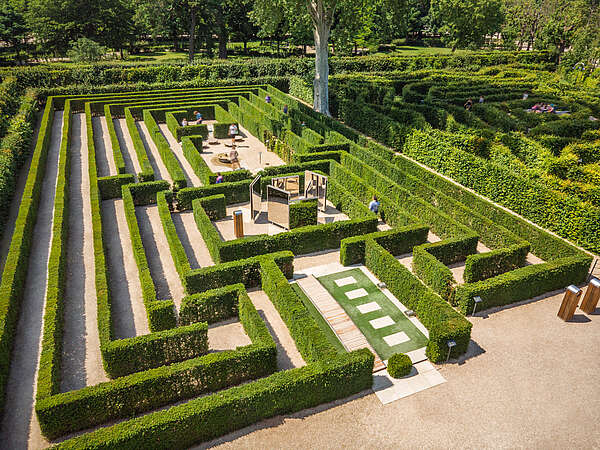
{"x": 197, "y": 121}
{"x": 543, "y": 107}
{"x": 469, "y": 103}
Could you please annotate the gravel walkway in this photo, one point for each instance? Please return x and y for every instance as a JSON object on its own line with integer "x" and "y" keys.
{"x": 192, "y": 240}
{"x": 528, "y": 383}
{"x": 20, "y": 428}
{"x": 82, "y": 360}
{"x": 190, "y": 176}
{"x": 288, "y": 355}
{"x": 162, "y": 269}
{"x": 160, "y": 170}
{"x": 129, "y": 314}
{"x": 132, "y": 165}
{"x": 104, "y": 154}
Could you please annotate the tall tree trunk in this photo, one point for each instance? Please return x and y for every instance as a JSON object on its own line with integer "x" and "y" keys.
{"x": 321, "y": 82}
{"x": 192, "y": 35}
{"x": 223, "y": 38}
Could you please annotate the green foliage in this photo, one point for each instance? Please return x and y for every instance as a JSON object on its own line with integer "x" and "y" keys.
{"x": 303, "y": 213}
{"x": 15, "y": 268}
{"x": 397, "y": 241}
{"x": 399, "y": 365}
{"x": 234, "y": 192}
{"x": 442, "y": 321}
{"x": 524, "y": 283}
{"x": 486, "y": 265}
{"x": 110, "y": 187}
{"x": 86, "y": 50}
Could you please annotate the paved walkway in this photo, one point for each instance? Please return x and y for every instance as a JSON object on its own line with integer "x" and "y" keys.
{"x": 349, "y": 335}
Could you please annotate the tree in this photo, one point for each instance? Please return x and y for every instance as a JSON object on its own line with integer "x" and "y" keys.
{"x": 269, "y": 14}
{"x": 466, "y": 23}
{"x": 86, "y": 50}
{"x": 13, "y": 29}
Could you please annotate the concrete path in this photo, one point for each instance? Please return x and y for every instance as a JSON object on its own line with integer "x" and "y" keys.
{"x": 160, "y": 170}
{"x": 82, "y": 361}
{"x": 227, "y": 335}
{"x": 129, "y": 314}
{"x": 341, "y": 324}
{"x": 288, "y": 355}
{"x": 190, "y": 176}
{"x": 132, "y": 165}
{"x": 105, "y": 162}
{"x": 20, "y": 428}
{"x": 165, "y": 276}
{"x": 192, "y": 240}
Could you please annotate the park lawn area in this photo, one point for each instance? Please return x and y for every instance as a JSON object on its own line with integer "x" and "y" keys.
{"x": 399, "y": 323}
{"x": 413, "y": 50}
{"x": 323, "y": 325}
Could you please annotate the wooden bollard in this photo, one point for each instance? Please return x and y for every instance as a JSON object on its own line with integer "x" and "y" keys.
{"x": 569, "y": 303}
{"x": 591, "y": 297}
{"x": 238, "y": 223}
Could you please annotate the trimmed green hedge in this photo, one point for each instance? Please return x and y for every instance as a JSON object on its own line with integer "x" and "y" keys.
{"x": 145, "y": 193}
{"x": 160, "y": 313}
{"x": 396, "y": 241}
{"x": 235, "y": 192}
{"x": 303, "y": 213}
{"x": 399, "y": 365}
{"x": 177, "y": 251}
{"x": 442, "y": 321}
{"x": 208, "y": 417}
{"x": 214, "y": 206}
{"x": 151, "y": 389}
{"x": 110, "y": 187}
{"x": 432, "y": 272}
{"x": 17, "y": 260}
{"x": 522, "y": 284}
{"x": 245, "y": 271}
{"x": 210, "y": 306}
{"x": 166, "y": 154}
{"x": 486, "y": 265}
{"x": 116, "y": 146}
{"x": 147, "y": 173}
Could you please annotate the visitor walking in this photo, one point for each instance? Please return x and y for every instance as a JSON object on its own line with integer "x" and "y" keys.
{"x": 233, "y": 132}
{"x": 198, "y": 117}
{"x": 285, "y": 109}
{"x": 268, "y": 98}
{"x": 481, "y": 99}
{"x": 469, "y": 104}
{"x": 374, "y": 205}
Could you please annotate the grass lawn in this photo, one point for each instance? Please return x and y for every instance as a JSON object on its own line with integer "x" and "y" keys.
{"x": 331, "y": 336}
{"x": 401, "y": 323}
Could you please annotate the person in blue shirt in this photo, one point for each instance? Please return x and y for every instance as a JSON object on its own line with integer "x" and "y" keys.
{"x": 268, "y": 99}
{"x": 374, "y": 205}
{"x": 285, "y": 109}
{"x": 198, "y": 117}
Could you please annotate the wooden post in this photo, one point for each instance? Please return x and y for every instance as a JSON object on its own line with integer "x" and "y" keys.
{"x": 569, "y": 303}
{"x": 591, "y": 297}
{"x": 238, "y": 223}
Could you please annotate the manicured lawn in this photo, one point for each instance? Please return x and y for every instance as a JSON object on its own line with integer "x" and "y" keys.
{"x": 387, "y": 311}
{"x": 331, "y": 336}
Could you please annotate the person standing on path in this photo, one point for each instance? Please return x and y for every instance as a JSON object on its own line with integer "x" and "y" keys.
{"x": 374, "y": 205}
{"x": 233, "y": 132}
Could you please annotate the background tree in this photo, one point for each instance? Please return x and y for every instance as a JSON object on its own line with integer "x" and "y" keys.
{"x": 466, "y": 23}
{"x": 13, "y": 28}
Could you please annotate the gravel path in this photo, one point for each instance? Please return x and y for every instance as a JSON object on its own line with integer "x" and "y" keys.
{"x": 82, "y": 361}
{"x": 20, "y": 428}
{"x": 129, "y": 313}
{"x": 190, "y": 176}
{"x": 192, "y": 240}
{"x": 160, "y": 170}
{"x": 165, "y": 276}
{"x": 528, "y": 383}
{"x": 132, "y": 165}
{"x": 288, "y": 355}
{"x": 104, "y": 154}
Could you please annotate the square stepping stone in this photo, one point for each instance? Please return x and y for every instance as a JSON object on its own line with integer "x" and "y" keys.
{"x": 345, "y": 281}
{"x": 356, "y": 293}
{"x": 368, "y": 307}
{"x": 396, "y": 338}
{"x": 384, "y": 321}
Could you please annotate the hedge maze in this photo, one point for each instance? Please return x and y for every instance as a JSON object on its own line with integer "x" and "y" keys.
{"x": 143, "y": 166}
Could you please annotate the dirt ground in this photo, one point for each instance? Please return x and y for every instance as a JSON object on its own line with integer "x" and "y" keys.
{"x": 529, "y": 381}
